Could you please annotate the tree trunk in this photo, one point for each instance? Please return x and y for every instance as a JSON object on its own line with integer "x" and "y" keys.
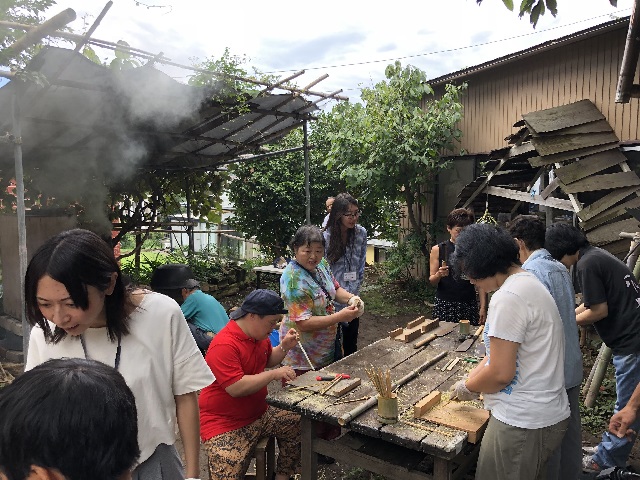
{"x": 409, "y": 196}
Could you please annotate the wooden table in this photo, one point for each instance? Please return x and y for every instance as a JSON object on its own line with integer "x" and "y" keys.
{"x": 269, "y": 270}
{"x": 397, "y": 451}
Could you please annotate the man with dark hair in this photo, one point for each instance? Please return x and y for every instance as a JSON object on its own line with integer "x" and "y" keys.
{"x": 68, "y": 419}
{"x": 204, "y": 314}
{"x": 529, "y": 231}
{"x": 234, "y": 414}
{"x": 611, "y": 302}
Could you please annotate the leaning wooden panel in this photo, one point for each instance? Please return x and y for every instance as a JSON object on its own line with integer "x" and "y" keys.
{"x": 591, "y": 127}
{"x": 610, "y": 214}
{"x": 565, "y": 116}
{"x": 566, "y": 143}
{"x": 589, "y": 165}
{"x": 611, "y": 232}
{"x": 572, "y": 155}
{"x": 603, "y": 182}
{"x": 605, "y": 202}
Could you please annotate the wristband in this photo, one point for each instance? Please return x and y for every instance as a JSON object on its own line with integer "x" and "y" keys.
{"x": 285, "y": 352}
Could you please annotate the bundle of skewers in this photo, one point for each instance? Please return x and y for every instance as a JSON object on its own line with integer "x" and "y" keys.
{"x": 381, "y": 381}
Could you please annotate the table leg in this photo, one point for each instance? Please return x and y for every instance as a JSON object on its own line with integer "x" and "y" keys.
{"x": 309, "y": 457}
{"x": 258, "y": 283}
{"x": 441, "y": 469}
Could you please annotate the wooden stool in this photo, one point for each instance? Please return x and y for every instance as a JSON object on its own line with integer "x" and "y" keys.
{"x": 265, "y": 455}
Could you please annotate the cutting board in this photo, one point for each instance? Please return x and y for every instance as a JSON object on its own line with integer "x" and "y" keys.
{"x": 461, "y": 416}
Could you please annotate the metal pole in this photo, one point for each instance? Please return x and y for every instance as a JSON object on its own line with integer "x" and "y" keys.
{"x": 22, "y": 226}
{"x": 306, "y": 172}
{"x": 192, "y": 247}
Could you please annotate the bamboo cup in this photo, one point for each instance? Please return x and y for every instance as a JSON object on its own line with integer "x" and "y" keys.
{"x": 464, "y": 329}
{"x": 388, "y": 409}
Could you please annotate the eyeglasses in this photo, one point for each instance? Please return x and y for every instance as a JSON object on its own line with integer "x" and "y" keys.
{"x": 355, "y": 214}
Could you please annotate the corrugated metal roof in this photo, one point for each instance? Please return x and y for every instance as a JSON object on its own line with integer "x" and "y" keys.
{"x": 620, "y": 23}
{"x": 138, "y": 118}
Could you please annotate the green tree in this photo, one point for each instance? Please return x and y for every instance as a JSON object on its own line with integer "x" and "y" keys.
{"x": 269, "y": 195}
{"x": 390, "y": 147}
{"x": 536, "y": 8}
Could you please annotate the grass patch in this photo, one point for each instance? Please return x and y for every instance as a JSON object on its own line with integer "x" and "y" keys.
{"x": 385, "y": 298}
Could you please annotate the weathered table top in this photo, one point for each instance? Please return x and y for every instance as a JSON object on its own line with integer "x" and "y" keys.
{"x": 401, "y": 359}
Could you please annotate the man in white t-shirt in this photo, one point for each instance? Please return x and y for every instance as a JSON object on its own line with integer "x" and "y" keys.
{"x": 522, "y": 374}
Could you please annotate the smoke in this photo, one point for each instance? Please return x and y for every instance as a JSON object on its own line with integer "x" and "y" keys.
{"x": 78, "y": 142}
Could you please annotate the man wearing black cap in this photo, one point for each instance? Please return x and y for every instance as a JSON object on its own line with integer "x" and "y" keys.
{"x": 204, "y": 314}
{"x": 234, "y": 414}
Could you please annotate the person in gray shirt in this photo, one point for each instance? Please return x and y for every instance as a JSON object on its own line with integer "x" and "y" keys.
{"x": 529, "y": 233}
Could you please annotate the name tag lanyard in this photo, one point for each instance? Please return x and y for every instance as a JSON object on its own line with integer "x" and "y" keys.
{"x": 118, "y": 350}
{"x": 349, "y": 275}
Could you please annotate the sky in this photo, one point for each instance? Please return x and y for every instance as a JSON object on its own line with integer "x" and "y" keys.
{"x": 350, "y": 40}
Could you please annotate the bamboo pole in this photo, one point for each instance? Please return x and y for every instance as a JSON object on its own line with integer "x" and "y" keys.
{"x": 598, "y": 376}
{"x": 151, "y": 56}
{"x": 347, "y": 417}
{"x": 38, "y": 33}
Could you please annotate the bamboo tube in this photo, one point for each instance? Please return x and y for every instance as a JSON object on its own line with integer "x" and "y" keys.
{"x": 587, "y": 383}
{"x": 598, "y": 376}
{"x": 347, "y": 417}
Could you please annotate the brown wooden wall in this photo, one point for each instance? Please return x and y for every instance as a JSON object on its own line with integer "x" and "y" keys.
{"x": 587, "y": 68}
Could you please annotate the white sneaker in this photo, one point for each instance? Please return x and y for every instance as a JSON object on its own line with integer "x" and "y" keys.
{"x": 589, "y": 466}
{"x": 587, "y": 450}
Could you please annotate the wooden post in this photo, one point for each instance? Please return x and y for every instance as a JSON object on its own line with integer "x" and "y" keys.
{"x": 21, "y": 214}
{"x": 307, "y": 193}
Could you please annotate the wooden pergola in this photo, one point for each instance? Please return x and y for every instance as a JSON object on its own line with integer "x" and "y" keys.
{"x": 82, "y": 109}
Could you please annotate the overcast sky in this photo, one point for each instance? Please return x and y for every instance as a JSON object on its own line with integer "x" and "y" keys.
{"x": 351, "y": 40}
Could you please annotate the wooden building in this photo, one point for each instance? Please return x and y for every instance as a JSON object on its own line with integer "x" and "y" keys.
{"x": 583, "y": 66}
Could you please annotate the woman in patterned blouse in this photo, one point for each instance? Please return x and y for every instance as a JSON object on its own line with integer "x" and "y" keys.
{"x": 309, "y": 288}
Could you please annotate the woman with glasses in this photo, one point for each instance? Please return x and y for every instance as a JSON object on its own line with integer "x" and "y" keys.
{"x": 521, "y": 377}
{"x": 456, "y": 298}
{"x": 346, "y": 252}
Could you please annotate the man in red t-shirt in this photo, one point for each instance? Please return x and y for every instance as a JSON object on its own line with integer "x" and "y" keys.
{"x": 234, "y": 414}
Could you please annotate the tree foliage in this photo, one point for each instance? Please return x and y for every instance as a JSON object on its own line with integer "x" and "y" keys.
{"x": 390, "y": 147}
{"x": 536, "y": 8}
{"x": 269, "y": 195}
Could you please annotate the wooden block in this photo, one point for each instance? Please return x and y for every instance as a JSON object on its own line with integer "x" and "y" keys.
{"x": 461, "y": 416}
{"x": 411, "y": 335}
{"x": 396, "y": 332}
{"x": 426, "y": 404}
{"x": 344, "y": 386}
{"x": 416, "y": 322}
{"x": 429, "y": 325}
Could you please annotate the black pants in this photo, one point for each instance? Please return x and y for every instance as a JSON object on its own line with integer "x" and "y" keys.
{"x": 350, "y": 336}
{"x": 200, "y": 336}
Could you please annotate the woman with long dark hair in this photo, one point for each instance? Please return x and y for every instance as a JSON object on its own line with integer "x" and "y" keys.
{"x": 79, "y": 307}
{"x": 346, "y": 252}
{"x": 456, "y": 299}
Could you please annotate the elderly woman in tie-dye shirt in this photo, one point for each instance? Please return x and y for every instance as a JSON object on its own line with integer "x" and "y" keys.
{"x": 308, "y": 289}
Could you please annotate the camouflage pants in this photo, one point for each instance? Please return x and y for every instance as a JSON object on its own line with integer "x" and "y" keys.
{"x": 230, "y": 453}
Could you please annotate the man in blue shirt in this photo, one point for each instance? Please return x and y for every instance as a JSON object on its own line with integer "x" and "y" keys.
{"x": 529, "y": 233}
{"x": 205, "y": 315}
